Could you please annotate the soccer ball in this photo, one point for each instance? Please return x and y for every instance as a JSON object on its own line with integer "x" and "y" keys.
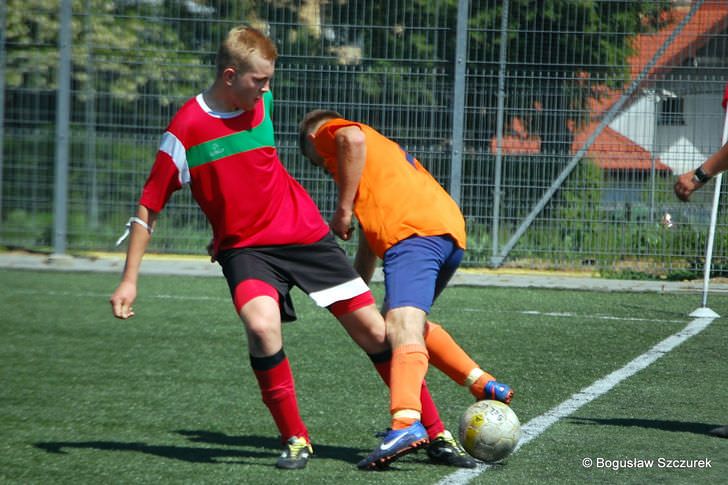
{"x": 489, "y": 430}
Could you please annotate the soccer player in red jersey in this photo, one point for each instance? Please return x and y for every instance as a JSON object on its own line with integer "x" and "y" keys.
{"x": 411, "y": 223}
{"x": 268, "y": 234}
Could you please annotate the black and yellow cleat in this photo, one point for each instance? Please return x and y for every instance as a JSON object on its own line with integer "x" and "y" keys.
{"x": 296, "y": 454}
{"x": 444, "y": 450}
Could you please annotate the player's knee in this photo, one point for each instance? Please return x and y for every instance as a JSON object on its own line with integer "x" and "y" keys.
{"x": 263, "y": 338}
{"x": 262, "y": 320}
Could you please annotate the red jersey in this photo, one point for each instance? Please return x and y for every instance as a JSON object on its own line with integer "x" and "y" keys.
{"x": 232, "y": 165}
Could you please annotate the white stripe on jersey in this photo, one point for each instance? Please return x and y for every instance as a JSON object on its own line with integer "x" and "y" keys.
{"x": 176, "y": 150}
{"x": 344, "y": 291}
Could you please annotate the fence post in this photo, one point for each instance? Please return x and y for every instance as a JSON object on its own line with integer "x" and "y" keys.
{"x": 3, "y": 29}
{"x": 458, "y": 104}
{"x": 499, "y": 127}
{"x": 90, "y": 103}
{"x": 63, "y": 102}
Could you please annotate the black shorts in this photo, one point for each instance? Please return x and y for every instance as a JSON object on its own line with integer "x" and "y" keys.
{"x": 322, "y": 270}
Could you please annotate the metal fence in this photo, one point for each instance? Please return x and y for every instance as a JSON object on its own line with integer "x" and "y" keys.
{"x": 558, "y": 126}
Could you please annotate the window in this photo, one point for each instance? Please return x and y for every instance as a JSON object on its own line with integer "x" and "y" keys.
{"x": 671, "y": 111}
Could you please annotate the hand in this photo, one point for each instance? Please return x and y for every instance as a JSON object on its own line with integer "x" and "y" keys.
{"x": 341, "y": 223}
{"x": 686, "y": 185}
{"x": 122, "y": 299}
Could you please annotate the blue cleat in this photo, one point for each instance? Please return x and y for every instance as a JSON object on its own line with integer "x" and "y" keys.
{"x": 395, "y": 444}
{"x": 498, "y": 392}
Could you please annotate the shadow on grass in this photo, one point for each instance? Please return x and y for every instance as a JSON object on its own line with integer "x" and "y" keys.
{"x": 271, "y": 448}
{"x": 352, "y": 455}
{"x": 665, "y": 425}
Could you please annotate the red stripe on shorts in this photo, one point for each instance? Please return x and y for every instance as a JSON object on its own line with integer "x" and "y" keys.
{"x": 249, "y": 289}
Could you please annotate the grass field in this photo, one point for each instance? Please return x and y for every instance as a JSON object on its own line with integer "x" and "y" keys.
{"x": 168, "y": 397}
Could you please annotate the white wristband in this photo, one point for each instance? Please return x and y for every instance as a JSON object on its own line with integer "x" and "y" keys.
{"x": 128, "y": 228}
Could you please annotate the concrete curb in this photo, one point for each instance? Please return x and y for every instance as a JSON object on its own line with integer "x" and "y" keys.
{"x": 201, "y": 266}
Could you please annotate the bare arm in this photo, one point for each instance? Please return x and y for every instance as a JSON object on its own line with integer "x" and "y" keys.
{"x": 365, "y": 260}
{"x": 352, "y": 154}
{"x": 686, "y": 184}
{"x": 126, "y": 292}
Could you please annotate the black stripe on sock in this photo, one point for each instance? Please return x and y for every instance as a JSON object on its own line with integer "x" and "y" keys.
{"x": 381, "y": 357}
{"x": 267, "y": 363}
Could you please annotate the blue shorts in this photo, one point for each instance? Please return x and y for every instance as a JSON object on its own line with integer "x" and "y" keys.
{"x": 417, "y": 269}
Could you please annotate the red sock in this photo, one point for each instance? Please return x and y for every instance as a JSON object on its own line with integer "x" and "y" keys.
{"x": 430, "y": 416}
{"x": 279, "y": 394}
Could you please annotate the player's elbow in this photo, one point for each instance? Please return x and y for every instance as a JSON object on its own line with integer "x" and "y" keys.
{"x": 351, "y": 137}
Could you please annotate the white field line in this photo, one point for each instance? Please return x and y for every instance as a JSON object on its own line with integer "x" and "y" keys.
{"x": 539, "y": 424}
{"x": 576, "y": 315}
{"x": 598, "y": 317}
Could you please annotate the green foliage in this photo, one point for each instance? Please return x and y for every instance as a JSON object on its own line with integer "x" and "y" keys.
{"x": 105, "y": 181}
{"x": 376, "y": 81}
{"x": 583, "y": 35}
{"x": 579, "y": 230}
{"x": 409, "y": 39}
{"x": 28, "y": 229}
{"x": 125, "y": 55}
{"x": 130, "y": 49}
{"x": 575, "y": 48}
{"x": 133, "y": 62}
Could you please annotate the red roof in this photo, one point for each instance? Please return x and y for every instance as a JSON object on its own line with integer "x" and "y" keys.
{"x": 518, "y": 142}
{"x": 710, "y": 18}
{"x": 611, "y": 150}
{"x": 614, "y": 151}
{"x": 517, "y": 145}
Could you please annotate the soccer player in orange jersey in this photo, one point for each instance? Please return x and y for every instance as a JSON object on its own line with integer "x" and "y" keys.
{"x": 411, "y": 223}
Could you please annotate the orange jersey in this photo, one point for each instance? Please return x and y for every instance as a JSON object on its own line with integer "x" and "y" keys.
{"x": 397, "y": 197}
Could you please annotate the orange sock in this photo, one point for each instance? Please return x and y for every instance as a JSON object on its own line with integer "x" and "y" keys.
{"x": 409, "y": 366}
{"x": 430, "y": 417}
{"x": 447, "y": 355}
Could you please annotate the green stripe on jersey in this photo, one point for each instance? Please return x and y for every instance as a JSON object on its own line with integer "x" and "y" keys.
{"x": 252, "y": 139}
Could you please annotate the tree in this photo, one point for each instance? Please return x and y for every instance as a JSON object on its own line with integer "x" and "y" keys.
{"x": 572, "y": 47}
{"x": 115, "y": 55}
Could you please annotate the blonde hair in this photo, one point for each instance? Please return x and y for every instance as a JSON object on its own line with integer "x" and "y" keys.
{"x": 241, "y": 42}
